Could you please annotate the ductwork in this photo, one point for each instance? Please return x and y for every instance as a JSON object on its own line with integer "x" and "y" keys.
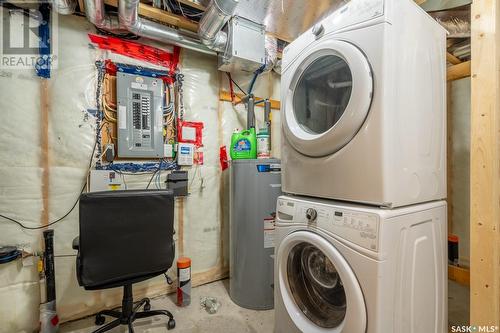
{"x": 94, "y": 10}
{"x": 215, "y": 17}
{"x": 64, "y": 7}
{"x": 130, "y": 20}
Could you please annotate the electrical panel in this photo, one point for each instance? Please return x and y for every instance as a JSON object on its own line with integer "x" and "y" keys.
{"x": 140, "y": 116}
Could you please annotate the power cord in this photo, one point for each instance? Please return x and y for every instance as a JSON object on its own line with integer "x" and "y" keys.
{"x": 236, "y": 84}
{"x": 72, "y": 207}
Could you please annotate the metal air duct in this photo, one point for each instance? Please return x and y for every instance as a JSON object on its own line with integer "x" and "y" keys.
{"x": 129, "y": 19}
{"x": 64, "y": 7}
{"x": 215, "y": 17}
{"x": 94, "y": 10}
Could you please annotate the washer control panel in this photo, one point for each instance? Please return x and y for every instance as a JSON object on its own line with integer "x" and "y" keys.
{"x": 358, "y": 227}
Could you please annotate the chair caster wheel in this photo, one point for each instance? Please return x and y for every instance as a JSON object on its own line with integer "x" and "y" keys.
{"x": 99, "y": 320}
{"x": 171, "y": 324}
{"x": 147, "y": 306}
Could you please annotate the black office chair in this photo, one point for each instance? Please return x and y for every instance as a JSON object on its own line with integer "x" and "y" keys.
{"x": 125, "y": 237}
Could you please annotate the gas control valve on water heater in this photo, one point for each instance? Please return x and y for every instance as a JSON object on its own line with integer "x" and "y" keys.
{"x": 140, "y": 116}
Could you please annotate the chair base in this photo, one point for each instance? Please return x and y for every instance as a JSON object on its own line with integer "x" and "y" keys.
{"x": 129, "y": 313}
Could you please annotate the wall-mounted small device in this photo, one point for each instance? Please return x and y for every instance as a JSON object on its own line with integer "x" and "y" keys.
{"x": 140, "y": 116}
{"x": 105, "y": 180}
{"x": 185, "y": 153}
{"x": 177, "y": 181}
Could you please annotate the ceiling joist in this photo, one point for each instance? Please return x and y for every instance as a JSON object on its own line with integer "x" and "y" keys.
{"x": 161, "y": 16}
{"x": 458, "y": 71}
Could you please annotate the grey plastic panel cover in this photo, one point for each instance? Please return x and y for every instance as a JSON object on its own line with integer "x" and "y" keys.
{"x": 140, "y": 121}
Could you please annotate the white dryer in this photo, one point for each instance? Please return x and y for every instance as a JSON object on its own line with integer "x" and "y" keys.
{"x": 343, "y": 268}
{"x": 363, "y": 106}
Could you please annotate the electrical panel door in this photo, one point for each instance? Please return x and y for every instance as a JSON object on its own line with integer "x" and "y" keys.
{"x": 140, "y": 116}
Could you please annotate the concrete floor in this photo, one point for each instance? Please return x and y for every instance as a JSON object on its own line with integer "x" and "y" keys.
{"x": 229, "y": 318}
{"x": 458, "y": 304}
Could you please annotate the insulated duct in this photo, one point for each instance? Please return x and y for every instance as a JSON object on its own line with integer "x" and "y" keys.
{"x": 215, "y": 17}
{"x": 129, "y": 19}
{"x": 94, "y": 10}
{"x": 64, "y": 7}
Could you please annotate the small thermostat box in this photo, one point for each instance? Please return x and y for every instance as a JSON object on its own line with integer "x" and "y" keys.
{"x": 185, "y": 154}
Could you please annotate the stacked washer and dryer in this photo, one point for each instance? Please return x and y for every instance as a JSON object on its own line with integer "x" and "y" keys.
{"x": 361, "y": 231}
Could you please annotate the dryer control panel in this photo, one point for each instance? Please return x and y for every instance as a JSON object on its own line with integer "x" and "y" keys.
{"x": 358, "y": 227}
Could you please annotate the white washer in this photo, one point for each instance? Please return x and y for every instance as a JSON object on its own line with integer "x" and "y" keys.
{"x": 352, "y": 269}
{"x": 363, "y": 102}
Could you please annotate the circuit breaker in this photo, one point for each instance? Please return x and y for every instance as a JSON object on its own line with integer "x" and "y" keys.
{"x": 140, "y": 116}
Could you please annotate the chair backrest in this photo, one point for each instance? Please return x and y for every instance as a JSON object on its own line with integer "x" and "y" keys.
{"x": 125, "y": 237}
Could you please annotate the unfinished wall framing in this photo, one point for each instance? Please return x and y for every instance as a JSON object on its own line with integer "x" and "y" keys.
{"x": 485, "y": 164}
{"x": 201, "y": 219}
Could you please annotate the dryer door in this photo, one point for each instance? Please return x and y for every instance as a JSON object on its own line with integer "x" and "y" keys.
{"x": 319, "y": 289}
{"x": 327, "y": 98}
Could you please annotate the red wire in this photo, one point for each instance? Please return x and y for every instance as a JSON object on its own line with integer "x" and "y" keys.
{"x": 231, "y": 88}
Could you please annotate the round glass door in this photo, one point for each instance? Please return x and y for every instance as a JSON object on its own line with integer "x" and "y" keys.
{"x": 328, "y": 96}
{"x": 322, "y": 94}
{"x": 316, "y": 286}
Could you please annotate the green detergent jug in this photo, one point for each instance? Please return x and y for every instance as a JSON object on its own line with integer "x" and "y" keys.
{"x": 244, "y": 145}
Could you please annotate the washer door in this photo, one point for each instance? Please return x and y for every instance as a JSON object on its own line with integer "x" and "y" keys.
{"x": 328, "y": 98}
{"x": 318, "y": 288}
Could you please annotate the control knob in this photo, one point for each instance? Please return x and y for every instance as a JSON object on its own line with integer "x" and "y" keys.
{"x": 318, "y": 29}
{"x": 311, "y": 214}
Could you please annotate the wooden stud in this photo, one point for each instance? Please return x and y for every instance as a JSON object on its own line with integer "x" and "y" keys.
{"x": 449, "y": 156}
{"x": 485, "y": 165}
{"x": 161, "y": 16}
{"x": 226, "y": 96}
{"x": 222, "y": 183}
{"x": 81, "y": 4}
{"x": 460, "y": 275}
{"x": 180, "y": 226}
{"x": 459, "y": 71}
{"x": 44, "y": 149}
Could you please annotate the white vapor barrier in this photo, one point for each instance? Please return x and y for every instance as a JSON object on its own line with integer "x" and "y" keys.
{"x": 202, "y": 216}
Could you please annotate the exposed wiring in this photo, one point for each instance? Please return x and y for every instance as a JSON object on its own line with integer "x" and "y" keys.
{"x": 231, "y": 88}
{"x": 254, "y": 79}
{"x": 107, "y": 116}
{"x": 138, "y": 168}
{"x": 107, "y": 109}
{"x": 236, "y": 84}
{"x": 176, "y": 7}
{"x": 72, "y": 207}
{"x": 158, "y": 177}
{"x": 100, "y": 66}
{"x": 154, "y": 174}
{"x": 180, "y": 91}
